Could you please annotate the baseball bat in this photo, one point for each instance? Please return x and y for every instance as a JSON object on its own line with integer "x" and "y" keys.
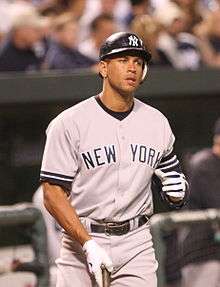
{"x": 105, "y": 277}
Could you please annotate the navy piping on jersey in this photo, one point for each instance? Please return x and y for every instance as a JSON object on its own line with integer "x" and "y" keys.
{"x": 46, "y": 174}
{"x": 170, "y": 163}
{"x": 57, "y": 179}
{"x": 118, "y": 115}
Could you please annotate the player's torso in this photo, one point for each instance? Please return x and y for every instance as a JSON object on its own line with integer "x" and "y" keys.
{"x": 105, "y": 140}
{"x": 116, "y": 161}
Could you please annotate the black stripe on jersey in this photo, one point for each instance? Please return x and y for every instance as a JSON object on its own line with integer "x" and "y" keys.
{"x": 169, "y": 166}
{"x": 56, "y": 176}
{"x": 169, "y": 163}
{"x": 168, "y": 157}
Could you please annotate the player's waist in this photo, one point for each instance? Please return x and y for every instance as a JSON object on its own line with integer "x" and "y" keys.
{"x": 115, "y": 228}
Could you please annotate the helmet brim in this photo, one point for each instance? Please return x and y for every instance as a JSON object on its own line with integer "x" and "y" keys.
{"x": 144, "y": 54}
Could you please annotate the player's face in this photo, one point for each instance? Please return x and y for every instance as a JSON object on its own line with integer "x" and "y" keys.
{"x": 124, "y": 73}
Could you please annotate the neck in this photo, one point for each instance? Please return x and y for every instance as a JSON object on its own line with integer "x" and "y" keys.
{"x": 116, "y": 101}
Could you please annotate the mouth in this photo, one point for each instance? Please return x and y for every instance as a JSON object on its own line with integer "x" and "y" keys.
{"x": 131, "y": 81}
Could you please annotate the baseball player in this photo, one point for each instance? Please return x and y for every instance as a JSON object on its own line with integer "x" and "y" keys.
{"x": 99, "y": 159}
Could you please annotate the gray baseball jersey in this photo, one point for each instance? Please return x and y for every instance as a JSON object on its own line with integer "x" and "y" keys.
{"x": 107, "y": 164}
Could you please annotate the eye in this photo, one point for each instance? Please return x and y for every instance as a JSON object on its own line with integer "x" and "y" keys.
{"x": 139, "y": 62}
{"x": 122, "y": 60}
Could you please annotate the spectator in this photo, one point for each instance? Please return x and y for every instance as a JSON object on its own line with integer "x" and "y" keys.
{"x": 214, "y": 31}
{"x": 138, "y": 8}
{"x": 23, "y": 49}
{"x": 118, "y": 8}
{"x": 192, "y": 12}
{"x": 4, "y": 19}
{"x": 205, "y": 7}
{"x": 9, "y": 10}
{"x": 201, "y": 249}
{"x": 179, "y": 46}
{"x": 148, "y": 29}
{"x": 101, "y": 28}
{"x": 63, "y": 53}
{"x": 208, "y": 33}
{"x": 59, "y": 7}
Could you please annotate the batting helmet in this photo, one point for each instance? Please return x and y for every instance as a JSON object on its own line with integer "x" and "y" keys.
{"x": 122, "y": 42}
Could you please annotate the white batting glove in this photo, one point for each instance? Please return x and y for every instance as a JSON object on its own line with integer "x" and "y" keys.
{"x": 173, "y": 183}
{"x": 96, "y": 257}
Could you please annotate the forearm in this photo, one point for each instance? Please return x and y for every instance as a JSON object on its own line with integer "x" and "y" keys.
{"x": 58, "y": 205}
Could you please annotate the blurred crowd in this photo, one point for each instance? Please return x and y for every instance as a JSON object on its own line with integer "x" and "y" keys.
{"x": 67, "y": 34}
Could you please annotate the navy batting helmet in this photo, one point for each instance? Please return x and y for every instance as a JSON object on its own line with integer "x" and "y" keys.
{"x": 122, "y": 42}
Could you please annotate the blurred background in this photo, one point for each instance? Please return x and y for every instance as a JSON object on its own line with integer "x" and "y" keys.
{"x": 48, "y": 62}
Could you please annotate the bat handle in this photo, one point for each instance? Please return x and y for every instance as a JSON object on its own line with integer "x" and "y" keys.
{"x": 105, "y": 276}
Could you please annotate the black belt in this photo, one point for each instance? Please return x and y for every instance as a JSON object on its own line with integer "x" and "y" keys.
{"x": 117, "y": 228}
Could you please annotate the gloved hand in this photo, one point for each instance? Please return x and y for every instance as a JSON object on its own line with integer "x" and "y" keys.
{"x": 96, "y": 257}
{"x": 174, "y": 184}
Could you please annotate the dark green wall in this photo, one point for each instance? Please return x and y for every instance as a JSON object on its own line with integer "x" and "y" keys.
{"x": 190, "y": 100}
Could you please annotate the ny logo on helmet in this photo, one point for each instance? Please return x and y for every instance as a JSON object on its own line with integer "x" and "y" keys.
{"x": 133, "y": 41}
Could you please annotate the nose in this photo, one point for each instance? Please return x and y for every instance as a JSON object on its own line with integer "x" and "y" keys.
{"x": 131, "y": 66}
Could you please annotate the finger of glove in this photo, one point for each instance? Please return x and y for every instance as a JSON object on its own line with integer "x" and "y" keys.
{"x": 107, "y": 262}
{"x": 159, "y": 173}
{"x": 163, "y": 175}
{"x": 179, "y": 194}
{"x": 175, "y": 187}
{"x": 174, "y": 174}
{"x": 94, "y": 263}
{"x": 175, "y": 180}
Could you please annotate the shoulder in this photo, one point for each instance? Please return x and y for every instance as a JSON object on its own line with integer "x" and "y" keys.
{"x": 149, "y": 111}
{"x": 76, "y": 112}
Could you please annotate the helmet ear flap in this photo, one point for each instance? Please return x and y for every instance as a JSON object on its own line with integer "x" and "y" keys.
{"x": 145, "y": 70}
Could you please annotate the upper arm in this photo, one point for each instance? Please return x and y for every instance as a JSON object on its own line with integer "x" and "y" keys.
{"x": 53, "y": 195}
{"x": 60, "y": 161}
{"x": 51, "y": 191}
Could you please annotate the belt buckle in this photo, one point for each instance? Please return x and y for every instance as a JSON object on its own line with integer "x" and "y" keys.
{"x": 108, "y": 226}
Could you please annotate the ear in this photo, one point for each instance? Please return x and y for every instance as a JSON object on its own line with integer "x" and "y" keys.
{"x": 103, "y": 68}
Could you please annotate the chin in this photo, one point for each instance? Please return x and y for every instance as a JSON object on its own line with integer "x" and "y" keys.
{"x": 130, "y": 89}
{"x": 125, "y": 90}
{"x": 126, "y": 93}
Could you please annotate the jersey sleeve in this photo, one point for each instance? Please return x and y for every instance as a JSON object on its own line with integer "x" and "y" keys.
{"x": 169, "y": 161}
{"x": 59, "y": 164}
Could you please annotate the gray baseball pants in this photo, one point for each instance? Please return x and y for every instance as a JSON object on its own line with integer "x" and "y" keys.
{"x": 132, "y": 255}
